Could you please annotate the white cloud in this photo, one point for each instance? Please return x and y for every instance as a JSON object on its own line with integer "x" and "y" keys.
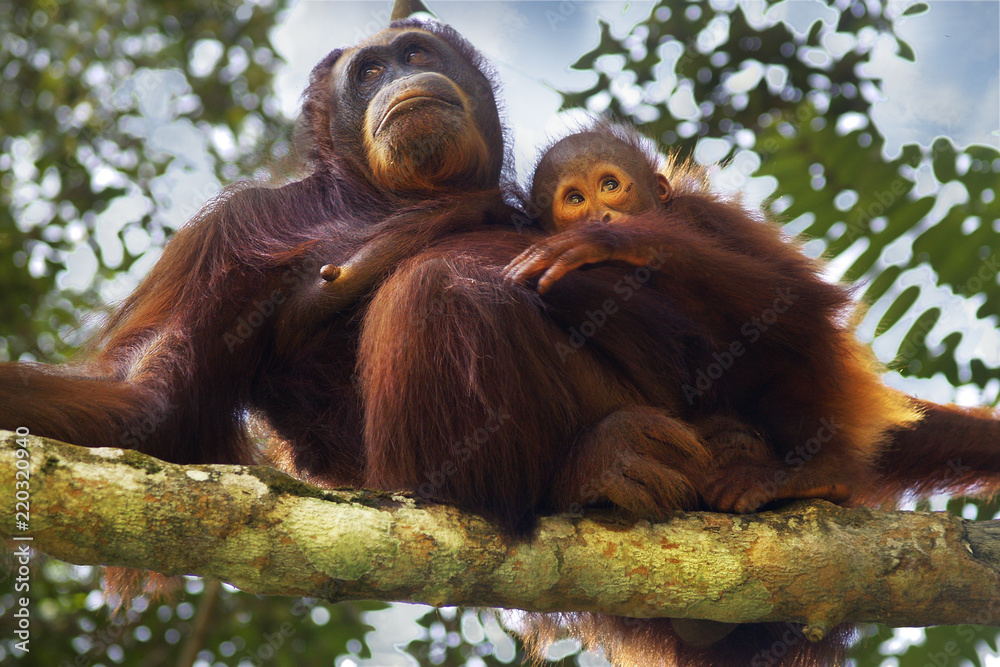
{"x": 953, "y": 89}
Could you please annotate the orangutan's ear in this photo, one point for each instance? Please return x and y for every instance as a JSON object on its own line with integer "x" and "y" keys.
{"x": 663, "y": 190}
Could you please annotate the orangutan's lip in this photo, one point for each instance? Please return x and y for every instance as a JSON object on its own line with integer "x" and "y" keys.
{"x": 408, "y": 100}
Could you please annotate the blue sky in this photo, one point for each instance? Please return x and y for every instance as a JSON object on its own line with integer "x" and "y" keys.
{"x": 954, "y": 87}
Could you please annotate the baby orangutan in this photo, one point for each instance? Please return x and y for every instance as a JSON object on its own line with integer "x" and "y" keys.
{"x": 601, "y": 175}
{"x": 604, "y": 176}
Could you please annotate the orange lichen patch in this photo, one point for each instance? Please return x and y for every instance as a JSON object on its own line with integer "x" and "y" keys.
{"x": 419, "y": 543}
{"x": 262, "y": 562}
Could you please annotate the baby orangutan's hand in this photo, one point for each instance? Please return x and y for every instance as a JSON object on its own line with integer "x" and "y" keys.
{"x": 589, "y": 243}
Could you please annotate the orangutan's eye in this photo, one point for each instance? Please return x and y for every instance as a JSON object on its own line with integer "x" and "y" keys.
{"x": 418, "y": 56}
{"x": 370, "y": 72}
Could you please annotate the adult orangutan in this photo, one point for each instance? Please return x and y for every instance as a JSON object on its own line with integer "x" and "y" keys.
{"x": 195, "y": 346}
{"x": 451, "y": 380}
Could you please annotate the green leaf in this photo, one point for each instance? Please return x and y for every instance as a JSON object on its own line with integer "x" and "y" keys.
{"x": 906, "y": 52}
{"x": 899, "y": 307}
{"x": 944, "y": 160}
{"x": 916, "y": 9}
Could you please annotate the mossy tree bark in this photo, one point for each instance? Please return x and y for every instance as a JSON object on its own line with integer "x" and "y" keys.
{"x": 267, "y": 533}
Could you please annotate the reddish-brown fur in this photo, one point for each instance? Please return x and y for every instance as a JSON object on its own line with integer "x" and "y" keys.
{"x": 764, "y": 298}
{"x": 455, "y": 383}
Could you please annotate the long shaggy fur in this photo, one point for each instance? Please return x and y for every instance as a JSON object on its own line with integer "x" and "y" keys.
{"x": 447, "y": 380}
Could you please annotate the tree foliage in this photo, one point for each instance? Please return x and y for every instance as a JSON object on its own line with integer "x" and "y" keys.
{"x": 100, "y": 104}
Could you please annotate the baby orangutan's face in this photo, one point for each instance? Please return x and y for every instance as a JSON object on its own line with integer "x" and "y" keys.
{"x": 604, "y": 191}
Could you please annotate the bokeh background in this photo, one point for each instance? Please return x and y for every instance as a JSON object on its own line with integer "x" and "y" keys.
{"x": 871, "y": 130}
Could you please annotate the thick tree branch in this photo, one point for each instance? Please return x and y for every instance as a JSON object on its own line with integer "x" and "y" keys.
{"x": 268, "y": 533}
